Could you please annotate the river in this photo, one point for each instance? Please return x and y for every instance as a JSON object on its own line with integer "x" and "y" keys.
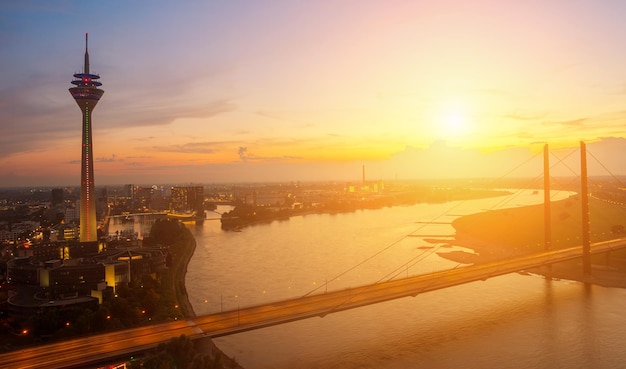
{"x": 511, "y": 321}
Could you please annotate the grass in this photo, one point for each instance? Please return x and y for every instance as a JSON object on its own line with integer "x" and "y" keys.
{"x": 523, "y": 228}
{"x": 506, "y": 233}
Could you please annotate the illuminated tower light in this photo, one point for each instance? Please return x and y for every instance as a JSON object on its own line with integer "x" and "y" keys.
{"x": 86, "y": 91}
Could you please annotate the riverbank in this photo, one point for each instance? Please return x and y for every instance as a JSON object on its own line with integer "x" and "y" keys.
{"x": 247, "y": 215}
{"x": 204, "y": 344}
{"x": 180, "y": 274}
{"x": 500, "y": 234}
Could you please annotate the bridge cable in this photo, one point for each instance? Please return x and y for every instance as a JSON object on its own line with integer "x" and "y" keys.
{"x": 621, "y": 209}
{"x": 606, "y": 169}
{"x": 418, "y": 258}
{"x": 427, "y": 253}
{"x": 415, "y": 260}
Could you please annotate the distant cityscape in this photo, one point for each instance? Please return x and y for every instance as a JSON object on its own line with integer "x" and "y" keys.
{"x": 40, "y": 227}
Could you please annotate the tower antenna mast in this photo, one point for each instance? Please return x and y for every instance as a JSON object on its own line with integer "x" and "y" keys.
{"x": 86, "y": 68}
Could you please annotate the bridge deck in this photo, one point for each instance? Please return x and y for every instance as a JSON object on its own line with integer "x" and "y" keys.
{"x": 81, "y": 351}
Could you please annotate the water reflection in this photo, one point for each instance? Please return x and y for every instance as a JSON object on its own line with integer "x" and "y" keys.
{"x": 512, "y": 321}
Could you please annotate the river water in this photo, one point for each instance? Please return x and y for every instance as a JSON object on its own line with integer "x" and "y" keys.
{"x": 511, "y": 321}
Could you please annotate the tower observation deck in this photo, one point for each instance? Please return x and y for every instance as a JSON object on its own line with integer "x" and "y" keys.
{"x": 87, "y": 94}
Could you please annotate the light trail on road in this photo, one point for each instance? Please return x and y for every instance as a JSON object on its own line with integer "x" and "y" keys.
{"x": 85, "y": 350}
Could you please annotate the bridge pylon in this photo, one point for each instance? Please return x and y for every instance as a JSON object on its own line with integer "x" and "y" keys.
{"x": 547, "y": 217}
{"x": 584, "y": 200}
{"x": 547, "y": 223}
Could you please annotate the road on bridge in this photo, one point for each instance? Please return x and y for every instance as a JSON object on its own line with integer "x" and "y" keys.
{"x": 80, "y": 351}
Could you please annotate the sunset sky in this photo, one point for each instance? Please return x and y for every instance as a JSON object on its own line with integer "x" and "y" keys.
{"x": 245, "y": 91}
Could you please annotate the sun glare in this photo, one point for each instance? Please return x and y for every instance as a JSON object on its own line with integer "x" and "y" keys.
{"x": 454, "y": 123}
{"x": 454, "y": 120}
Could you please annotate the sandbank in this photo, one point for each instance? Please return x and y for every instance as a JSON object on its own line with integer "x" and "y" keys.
{"x": 500, "y": 234}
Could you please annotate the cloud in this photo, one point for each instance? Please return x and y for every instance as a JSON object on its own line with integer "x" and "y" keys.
{"x": 160, "y": 110}
{"x": 245, "y": 156}
{"x": 144, "y": 138}
{"x": 572, "y": 122}
{"x": 134, "y": 164}
{"x": 524, "y": 116}
{"x": 443, "y": 161}
{"x": 243, "y": 153}
{"x": 32, "y": 121}
{"x": 190, "y": 147}
{"x": 270, "y": 114}
{"x": 111, "y": 159}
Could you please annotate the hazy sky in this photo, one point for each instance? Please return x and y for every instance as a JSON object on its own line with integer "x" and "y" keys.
{"x": 228, "y": 90}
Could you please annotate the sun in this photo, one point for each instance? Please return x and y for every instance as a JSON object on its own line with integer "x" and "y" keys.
{"x": 455, "y": 123}
{"x": 454, "y": 120}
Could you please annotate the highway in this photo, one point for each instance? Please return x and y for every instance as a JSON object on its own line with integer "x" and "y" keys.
{"x": 81, "y": 351}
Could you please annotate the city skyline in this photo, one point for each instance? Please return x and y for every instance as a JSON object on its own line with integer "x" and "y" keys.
{"x": 222, "y": 92}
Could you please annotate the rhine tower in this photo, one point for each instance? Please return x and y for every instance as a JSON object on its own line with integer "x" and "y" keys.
{"x": 87, "y": 94}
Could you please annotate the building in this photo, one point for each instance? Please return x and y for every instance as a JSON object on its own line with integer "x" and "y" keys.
{"x": 190, "y": 198}
{"x": 72, "y": 214}
{"x": 70, "y": 280}
{"x": 87, "y": 94}
{"x": 56, "y": 195}
{"x": 142, "y": 198}
{"x": 137, "y": 261}
{"x": 17, "y": 231}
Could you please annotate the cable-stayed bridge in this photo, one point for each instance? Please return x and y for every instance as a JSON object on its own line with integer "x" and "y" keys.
{"x": 81, "y": 351}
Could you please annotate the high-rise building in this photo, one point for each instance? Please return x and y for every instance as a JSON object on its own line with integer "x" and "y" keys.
{"x": 87, "y": 94}
{"x": 57, "y": 196}
{"x": 190, "y": 198}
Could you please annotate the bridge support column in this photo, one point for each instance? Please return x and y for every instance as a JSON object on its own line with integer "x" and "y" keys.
{"x": 584, "y": 200}
{"x": 547, "y": 217}
{"x": 547, "y": 224}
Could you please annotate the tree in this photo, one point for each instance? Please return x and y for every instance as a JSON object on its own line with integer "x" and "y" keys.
{"x": 165, "y": 232}
{"x": 178, "y": 353}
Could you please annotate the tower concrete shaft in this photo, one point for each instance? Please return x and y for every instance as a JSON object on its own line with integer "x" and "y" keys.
{"x": 87, "y": 94}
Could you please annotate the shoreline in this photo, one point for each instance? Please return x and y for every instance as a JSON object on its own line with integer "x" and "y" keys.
{"x": 479, "y": 232}
{"x": 398, "y": 199}
{"x": 202, "y": 344}
{"x": 181, "y": 289}
{"x": 499, "y": 234}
